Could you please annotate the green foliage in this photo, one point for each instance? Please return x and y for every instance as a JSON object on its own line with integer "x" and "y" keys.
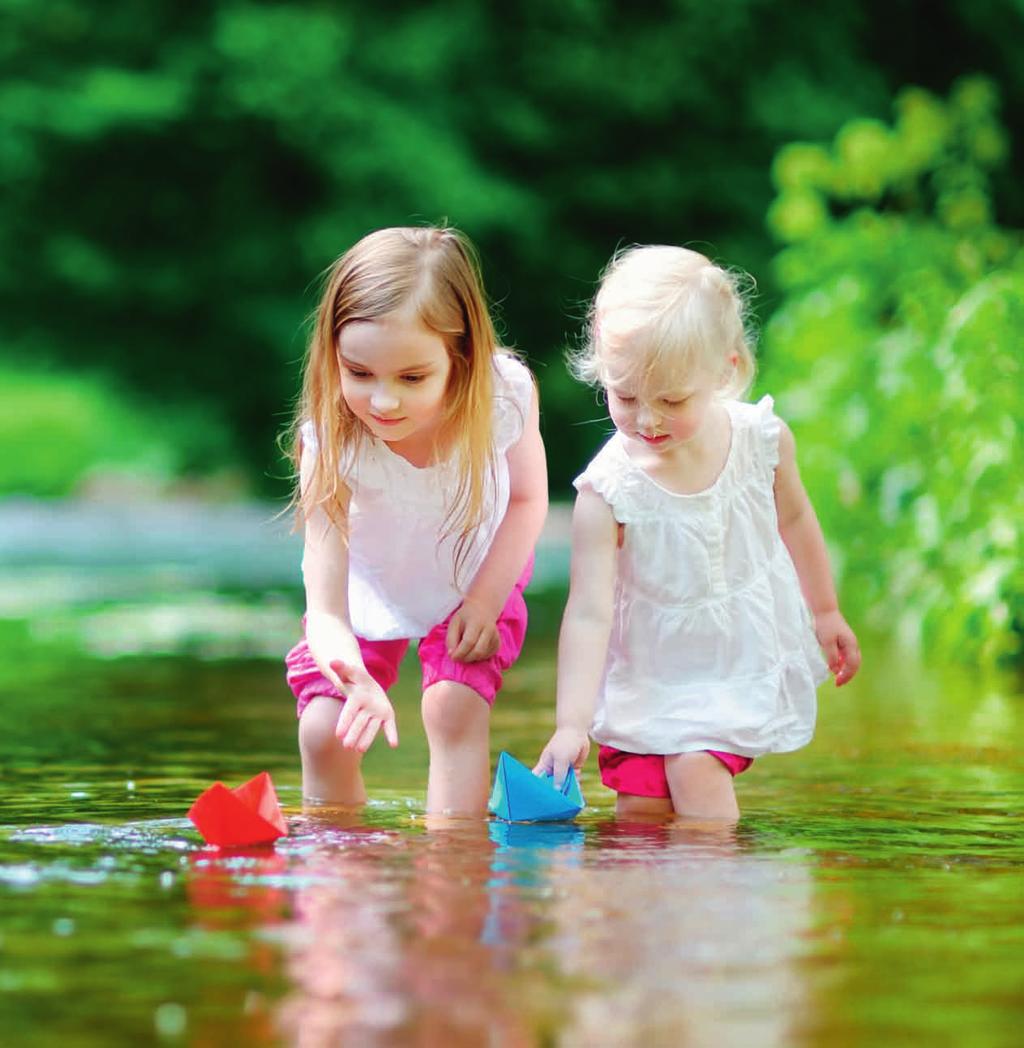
{"x": 896, "y": 357}
{"x": 58, "y": 430}
{"x": 176, "y": 175}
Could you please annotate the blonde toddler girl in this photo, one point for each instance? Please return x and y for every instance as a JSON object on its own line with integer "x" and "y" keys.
{"x": 700, "y": 586}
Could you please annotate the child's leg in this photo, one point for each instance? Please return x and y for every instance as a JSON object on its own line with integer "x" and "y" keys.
{"x": 639, "y": 782}
{"x": 635, "y": 806}
{"x": 457, "y": 700}
{"x": 701, "y": 785}
{"x": 330, "y": 773}
{"x": 457, "y": 722}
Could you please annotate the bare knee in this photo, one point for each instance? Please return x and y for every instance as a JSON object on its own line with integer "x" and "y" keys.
{"x": 457, "y": 722}
{"x": 317, "y": 740}
{"x": 454, "y": 714}
{"x": 330, "y": 773}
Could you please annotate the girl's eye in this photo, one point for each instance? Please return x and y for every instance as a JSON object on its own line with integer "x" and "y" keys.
{"x": 674, "y": 403}
{"x": 625, "y": 400}
{"x": 356, "y": 373}
{"x": 412, "y": 380}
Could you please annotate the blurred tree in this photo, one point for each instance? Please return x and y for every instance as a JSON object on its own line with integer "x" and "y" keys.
{"x": 177, "y": 175}
{"x": 896, "y": 356}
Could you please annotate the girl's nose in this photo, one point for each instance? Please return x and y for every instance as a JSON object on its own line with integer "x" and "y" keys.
{"x": 383, "y": 399}
{"x": 645, "y": 417}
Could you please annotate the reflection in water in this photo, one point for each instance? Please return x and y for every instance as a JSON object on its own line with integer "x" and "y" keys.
{"x": 685, "y": 937}
{"x": 412, "y": 938}
{"x": 526, "y": 856}
{"x": 884, "y": 857}
{"x": 238, "y": 890}
{"x": 471, "y": 933}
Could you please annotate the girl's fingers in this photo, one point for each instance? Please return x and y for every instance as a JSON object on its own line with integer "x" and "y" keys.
{"x": 850, "y": 660}
{"x": 483, "y": 647}
{"x": 348, "y": 712}
{"x": 543, "y": 765}
{"x": 454, "y": 635}
{"x": 832, "y": 657}
{"x": 488, "y": 644}
{"x": 356, "y": 730}
{"x": 470, "y": 652}
{"x": 368, "y": 734}
{"x": 462, "y": 650}
{"x": 391, "y": 731}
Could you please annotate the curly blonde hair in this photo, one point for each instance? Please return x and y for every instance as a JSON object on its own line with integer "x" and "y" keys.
{"x": 668, "y": 307}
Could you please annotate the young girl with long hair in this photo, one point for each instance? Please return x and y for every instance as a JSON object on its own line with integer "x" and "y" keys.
{"x": 422, "y": 490}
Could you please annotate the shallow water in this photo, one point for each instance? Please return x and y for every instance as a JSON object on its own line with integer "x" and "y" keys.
{"x": 873, "y": 892}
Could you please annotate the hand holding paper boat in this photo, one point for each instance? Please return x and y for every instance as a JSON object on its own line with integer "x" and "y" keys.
{"x": 521, "y": 796}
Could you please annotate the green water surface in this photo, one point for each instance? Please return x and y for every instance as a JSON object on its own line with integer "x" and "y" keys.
{"x": 873, "y": 893}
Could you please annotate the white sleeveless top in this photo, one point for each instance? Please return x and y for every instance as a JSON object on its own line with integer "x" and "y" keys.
{"x": 401, "y": 570}
{"x": 712, "y": 645}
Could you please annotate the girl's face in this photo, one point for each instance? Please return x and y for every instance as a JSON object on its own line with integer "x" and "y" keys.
{"x": 394, "y": 376}
{"x": 661, "y": 411}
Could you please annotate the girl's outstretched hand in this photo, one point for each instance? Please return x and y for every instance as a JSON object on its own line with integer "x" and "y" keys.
{"x": 568, "y": 747}
{"x": 839, "y": 643}
{"x": 472, "y": 634}
{"x": 367, "y": 709}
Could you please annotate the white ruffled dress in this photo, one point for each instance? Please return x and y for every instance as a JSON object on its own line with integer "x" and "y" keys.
{"x": 712, "y": 645}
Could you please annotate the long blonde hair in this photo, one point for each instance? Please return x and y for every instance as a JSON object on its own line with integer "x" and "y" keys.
{"x": 675, "y": 308}
{"x": 434, "y": 272}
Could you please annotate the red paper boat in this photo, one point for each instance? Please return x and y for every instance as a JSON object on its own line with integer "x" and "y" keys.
{"x": 248, "y": 814}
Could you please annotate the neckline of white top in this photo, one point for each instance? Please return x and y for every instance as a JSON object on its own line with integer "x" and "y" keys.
{"x": 430, "y": 467}
{"x": 710, "y": 489}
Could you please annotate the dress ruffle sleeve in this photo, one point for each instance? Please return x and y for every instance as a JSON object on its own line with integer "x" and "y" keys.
{"x": 769, "y": 426}
{"x": 513, "y": 398}
{"x": 604, "y": 477}
{"x": 351, "y": 459}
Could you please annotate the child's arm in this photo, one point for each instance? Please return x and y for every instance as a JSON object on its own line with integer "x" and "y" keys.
{"x": 801, "y": 532}
{"x": 329, "y": 632}
{"x": 583, "y": 639}
{"x": 472, "y": 633}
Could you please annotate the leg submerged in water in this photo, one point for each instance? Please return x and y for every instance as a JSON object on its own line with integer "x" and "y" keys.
{"x": 330, "y": 773}
{"x": 701, "y": 786}
{"x": 457, "y": 723}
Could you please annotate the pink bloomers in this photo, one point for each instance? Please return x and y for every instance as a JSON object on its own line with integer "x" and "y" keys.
{"x": 643, "y": 774}
{"x": 382, "y": 657}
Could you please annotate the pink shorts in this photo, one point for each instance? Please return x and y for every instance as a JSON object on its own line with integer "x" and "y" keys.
{"x": 643, "y": 774}
{"x": 382, "y": 657}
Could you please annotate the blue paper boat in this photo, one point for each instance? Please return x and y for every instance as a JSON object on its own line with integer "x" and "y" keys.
{"x": 521, "y": 796}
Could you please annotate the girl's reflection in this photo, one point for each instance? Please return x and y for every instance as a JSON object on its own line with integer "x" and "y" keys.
{"x": 473, "y": 933}
{"x": 415, "y": 938}
{"x": 682, "y": 934}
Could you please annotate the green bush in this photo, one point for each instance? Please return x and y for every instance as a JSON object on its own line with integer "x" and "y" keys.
{"x": 895, "y": 356}
{"x": 58, "y": 428}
